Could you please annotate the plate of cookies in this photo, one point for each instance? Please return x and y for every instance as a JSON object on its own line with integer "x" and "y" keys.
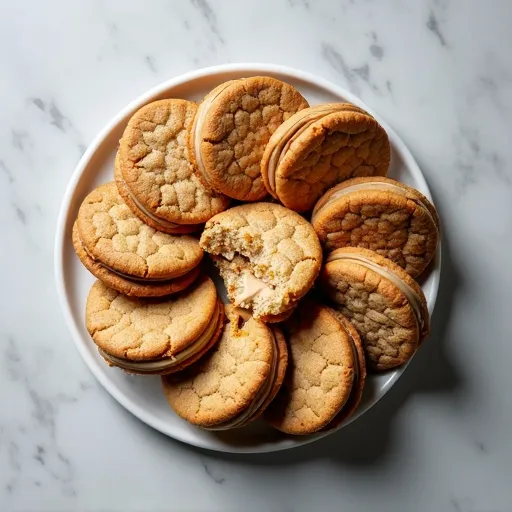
{"x": 247, "y": 257}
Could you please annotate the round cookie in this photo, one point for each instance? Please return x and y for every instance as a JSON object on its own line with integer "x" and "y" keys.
{"x": 155, "y": 222}
{"x": 155, "y": 169}
{"x": 233, "y": 124}
{"x": 154, "y": 336}
{"x": 380, "y": 214}
{"x": 268, "y": 256}
{"x": 323, "y": 375}
{"x": 319, "y": 147}
{"x": 114, "y": 237}
{"x": 383, "y": 302}
{"x": 233, "y": 384}
{"x": 142, "y": 288}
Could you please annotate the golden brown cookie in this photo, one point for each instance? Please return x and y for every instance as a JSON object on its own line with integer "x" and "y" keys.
{"x": 151, "y": 220}
{"x": 233, "y": 384}
{"x": 117, "y": 239}
{"x": 155, "y": 170}
{"x": 268, "y": 256}
{"x": 319, "y": 147}
{"x": 154, "y": 336}
{"x": 231, "y": 128}
{"x": 383, "y": 302}
{"x": 135, "y": 288}
{"x": 323, "y": 378}
{"x": 381, "y": 214}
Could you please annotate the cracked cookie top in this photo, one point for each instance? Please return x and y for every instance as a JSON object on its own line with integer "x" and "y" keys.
{"x": 319, "y": 147}
{"x": 380, "y": 214}
{"x": 143, "y": 329}
{"x": 231, "y": 128}
{"x": 383, "y": 302}
{"x": 321, "y": 372}
{"x": 227, "y": 381}
{"x": 155, "y": 167}
{"x": 112, "y": 235}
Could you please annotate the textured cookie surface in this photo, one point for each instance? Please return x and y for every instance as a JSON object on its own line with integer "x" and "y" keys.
{"x": 114, "y": 236}
{"x": 320, "y": 372}
{"x": 147, "y": 217}
{"x": 154, "y": 164}
{"x": 377, "y": 307}
{"x": 268, "y": 255}
{"x": 225, "y": 381}
{"x": 392, "y": 219}
{"x": 142, "y": 329}
{"x": 337, "y": 147}
{"x": 128, "y": 286}
{"x": 229, "y": 139}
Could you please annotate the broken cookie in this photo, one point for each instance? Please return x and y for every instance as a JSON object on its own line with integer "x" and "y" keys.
{"x": 268, "y": 256}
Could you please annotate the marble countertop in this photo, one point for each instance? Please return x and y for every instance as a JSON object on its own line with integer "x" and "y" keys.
{"x": 440, "y": 73}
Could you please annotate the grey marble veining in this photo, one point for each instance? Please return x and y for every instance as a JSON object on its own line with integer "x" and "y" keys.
{"x": 440, "y": 73}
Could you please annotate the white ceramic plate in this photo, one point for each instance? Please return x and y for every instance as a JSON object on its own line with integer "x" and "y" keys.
{"x": 142, "y": 396}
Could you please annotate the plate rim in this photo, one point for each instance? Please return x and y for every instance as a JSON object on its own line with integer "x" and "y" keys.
{"x": 62, "y": 219}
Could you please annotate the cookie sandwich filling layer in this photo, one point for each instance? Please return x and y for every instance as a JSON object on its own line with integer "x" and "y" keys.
{"x": 146, "y": 279}
{"x": 407, "y": 290}
{"x": 151, "y": 215}
{"x": 260, "y": 398}
{"x": 197, "y": 128}
{"x": 157, "y": 365}
{"x": 378, "y": 186}
{"x": 305, "y": 119}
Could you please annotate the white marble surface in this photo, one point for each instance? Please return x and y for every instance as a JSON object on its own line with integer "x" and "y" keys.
{"x": 440, "y": 72}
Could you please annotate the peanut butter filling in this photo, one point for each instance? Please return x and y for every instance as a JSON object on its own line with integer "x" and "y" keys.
{"x": 151, "y": 215}
{"x": 252, "y": 287}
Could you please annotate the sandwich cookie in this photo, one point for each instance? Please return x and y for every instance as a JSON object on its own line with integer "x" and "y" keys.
{"x": 154, "y": 173}
{"x": 113, "y": 237}
{"x": 154, "y": 336}
{"x": 326, "y": 372}
{"x": 231, "y": 128}
{"x": 234, "y": 383}
{"x": 147, "y": 217}
{"x": 131, "y": 287}
{"x": 319, "y": 147}
{"x": 268, "y": 256}
{"x": 380, "y": 214}
{"x": 383, "y": 302}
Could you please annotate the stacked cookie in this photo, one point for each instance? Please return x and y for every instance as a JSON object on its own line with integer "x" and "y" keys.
{"x": 299, "y": 362}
